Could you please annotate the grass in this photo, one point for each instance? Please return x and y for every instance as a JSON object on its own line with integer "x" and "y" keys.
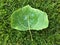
{"x": 48, "y": 36}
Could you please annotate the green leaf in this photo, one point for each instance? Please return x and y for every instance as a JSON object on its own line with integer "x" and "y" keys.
{"x": 28, "y": 18}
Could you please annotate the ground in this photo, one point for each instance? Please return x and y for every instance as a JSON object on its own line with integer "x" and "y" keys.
{"x": 48, "y": 36}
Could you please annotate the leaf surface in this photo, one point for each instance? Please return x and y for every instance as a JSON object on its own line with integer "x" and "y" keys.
{"x": 28, "y": 18}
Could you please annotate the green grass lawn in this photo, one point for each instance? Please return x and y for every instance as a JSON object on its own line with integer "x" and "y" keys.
{"x": 48, "y": 36}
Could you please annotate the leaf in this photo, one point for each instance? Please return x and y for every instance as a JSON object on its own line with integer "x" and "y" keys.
{"x": 28, "y": 18}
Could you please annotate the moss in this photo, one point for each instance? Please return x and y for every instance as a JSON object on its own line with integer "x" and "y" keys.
{"x": 48, "y": 36}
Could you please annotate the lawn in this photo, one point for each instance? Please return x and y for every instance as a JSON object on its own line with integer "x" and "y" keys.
{"x": 48, "y": 36}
